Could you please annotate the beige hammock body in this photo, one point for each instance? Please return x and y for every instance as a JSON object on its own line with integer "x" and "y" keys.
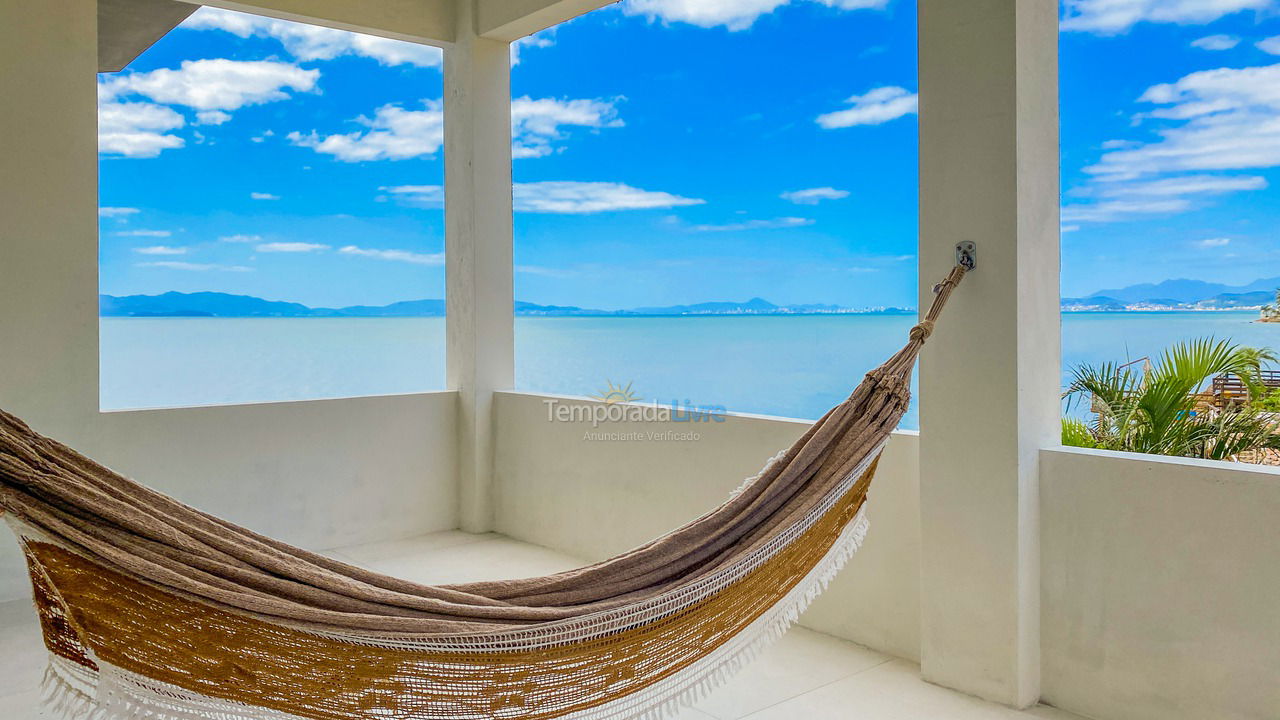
{"x": 153, "y": 609}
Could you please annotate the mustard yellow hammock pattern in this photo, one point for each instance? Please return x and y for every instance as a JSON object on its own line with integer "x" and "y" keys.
{"x": 152, "y": 609}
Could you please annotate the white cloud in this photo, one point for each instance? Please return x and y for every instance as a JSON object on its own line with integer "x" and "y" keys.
{"x": 311, "y": 42}
{"x": 263, "y": 196}
{"x": 873, "y": 108}
{"x": 145, "y": 233}
{"x": 212, "y": 87}
{"x": 1109, "y": 17}
{"x": 856, "y": 4}
{"x": 771, "y": 224}
{"x": 290, "y": 247}
{"x": 137, "y": 129}
{"x": 731, "y": 14}
{"x": 536, "y": 124}
{"x": 813, "y": 196}
{"x": 1214, "y": 243}
{"x": 240, "y": 238}
{"x": 588, "y": 197}
{"x": 1223, "y": 119}
{"x": 239, "y": 24}
{"x": 1270, "y": 46}
{"x": 537, "y": 40}
{"x": 1216, "y": 42}
{"x": 395, "y": 133}
{"x": 194, "y": 267}
{"x": 1206, "y": 125}
{"x": 1124, "y": 200}
{"x": 116, "y": 212}
{"x": 1183, "y": 185}
{"x": 422, "y": 195}
{"x": 404, "y": 256}
{"x": 563, "y": 197}
{"x": 160, "y": 250}
{"x": 544, "y": 271}
{"x": 1113, "y": 210}
{"x": 212, "y": 117}
{"x": 1117, "y": 144}
{"x": 214, "y": 84}
{"x": 395, "y": 52}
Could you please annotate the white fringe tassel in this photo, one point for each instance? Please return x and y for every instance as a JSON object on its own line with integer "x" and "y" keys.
{"x": 72, "y": 692}
{"x": 684, "y": 689}
{"x": 69, "y": 690}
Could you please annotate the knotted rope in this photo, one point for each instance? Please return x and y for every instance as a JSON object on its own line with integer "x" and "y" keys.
{"x": 900, "y": 365}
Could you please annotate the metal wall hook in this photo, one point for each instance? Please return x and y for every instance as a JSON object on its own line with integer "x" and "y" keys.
{"x": 966, "y": 257}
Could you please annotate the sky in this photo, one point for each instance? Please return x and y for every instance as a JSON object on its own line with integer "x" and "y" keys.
{"x": 673, "y": 151}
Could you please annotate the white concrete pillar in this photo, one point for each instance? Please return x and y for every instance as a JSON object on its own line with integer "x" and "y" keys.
{"x": 48, "y": 213}
{"x": 481, "y": 333}
{"x": 989, "y": 379}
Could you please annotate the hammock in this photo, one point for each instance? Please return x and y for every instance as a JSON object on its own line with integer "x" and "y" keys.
{"x": 152, "y": 609}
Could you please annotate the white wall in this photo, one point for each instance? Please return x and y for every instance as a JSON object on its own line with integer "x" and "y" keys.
{"x": 318, "y": 473}
{"x": 1160, "y": 587}
{"x": 595, "y": 499}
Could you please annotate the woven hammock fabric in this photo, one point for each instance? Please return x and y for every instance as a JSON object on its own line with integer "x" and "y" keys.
{"x": 151, "y": 608}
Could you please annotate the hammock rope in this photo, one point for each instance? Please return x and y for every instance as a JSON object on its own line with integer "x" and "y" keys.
{"x": 153, "y": 609}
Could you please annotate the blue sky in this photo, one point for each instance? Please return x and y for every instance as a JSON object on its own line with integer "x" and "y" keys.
{"x": 673, "y": 151}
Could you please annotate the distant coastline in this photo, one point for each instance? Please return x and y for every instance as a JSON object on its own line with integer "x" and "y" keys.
{"x": 1087, "y": 305}
{"x": 224, "y": 305}
{"x": 1168, "y": 296}
{"x": 1160, "y": 310}
{"x": 1180, "y": 295}
{"x": 1156, "y": 309}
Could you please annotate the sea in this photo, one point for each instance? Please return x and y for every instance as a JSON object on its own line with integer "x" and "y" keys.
{"x": 794, "y": 366}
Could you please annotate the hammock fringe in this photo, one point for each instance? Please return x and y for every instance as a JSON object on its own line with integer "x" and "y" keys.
{"x": 662, "y": 703}
{"x": 68, "y": 692}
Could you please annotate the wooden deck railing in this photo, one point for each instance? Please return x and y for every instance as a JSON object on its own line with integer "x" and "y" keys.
{"x": 1230, "y": 389}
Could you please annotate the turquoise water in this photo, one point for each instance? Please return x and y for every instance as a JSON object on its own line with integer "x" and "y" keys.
{"x": 795, "y": 366}
{"x": 174, "y": 362}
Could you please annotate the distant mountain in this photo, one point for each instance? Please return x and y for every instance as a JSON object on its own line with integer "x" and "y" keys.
{"x": 1185, "y": 291}
{"x": 212, "y": 304}
{"x": 752, "y": 306}
{"x": 1238, "y": 300}
{"x": 1177, "y": 295}
{"x": 757, "y": 306}
{"x": 1093, "y": 303}
{"x": 201, "y": 304}
{"x": 528, "y": 308}
{"x": 407, "y": 308}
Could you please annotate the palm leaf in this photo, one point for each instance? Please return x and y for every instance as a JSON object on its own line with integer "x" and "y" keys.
{"x": 1157, "y": 412}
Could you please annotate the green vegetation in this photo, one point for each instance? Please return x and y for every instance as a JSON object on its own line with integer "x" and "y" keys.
{"x": 1159, "y": 411}
{"x": 1269, "y": 402}
{"x": 1076, "y": 434}
{"x": 1272, "y": 312}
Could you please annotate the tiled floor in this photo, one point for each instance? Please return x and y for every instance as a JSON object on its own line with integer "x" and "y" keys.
{"x": 806, "y": 675}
